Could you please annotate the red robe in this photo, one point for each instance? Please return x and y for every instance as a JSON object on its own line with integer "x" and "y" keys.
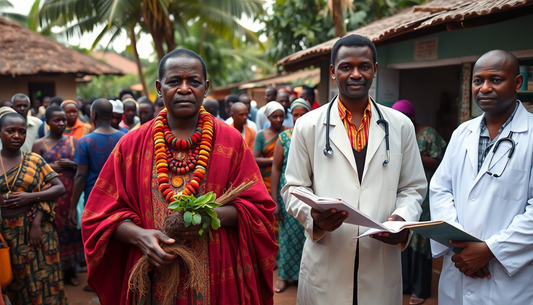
{"x": 241, "y": 260}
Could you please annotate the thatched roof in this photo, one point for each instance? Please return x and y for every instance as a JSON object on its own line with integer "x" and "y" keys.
{"x": 25, "y": 52}
{"x": 451, "y": 14}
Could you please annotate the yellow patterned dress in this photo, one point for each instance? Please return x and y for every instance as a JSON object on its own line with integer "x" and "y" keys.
{"x": 37, "y": 277}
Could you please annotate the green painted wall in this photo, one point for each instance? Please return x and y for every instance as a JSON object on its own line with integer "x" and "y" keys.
{"x": 511, "y": 35}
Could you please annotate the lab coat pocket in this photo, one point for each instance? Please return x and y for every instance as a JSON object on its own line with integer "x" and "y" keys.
{"x": 391, "y": 172}
{"x": 393, "y": 263}
{"x": 506, "y": 189}
{"x": 314, "y": 266}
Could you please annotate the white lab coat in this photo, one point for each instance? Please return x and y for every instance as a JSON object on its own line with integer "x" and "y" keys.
{"x": 496, "y": 210}
{"x": 327, "y": 267}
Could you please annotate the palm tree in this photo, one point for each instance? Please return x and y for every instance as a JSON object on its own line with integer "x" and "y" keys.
{"x": 160, "y": 18}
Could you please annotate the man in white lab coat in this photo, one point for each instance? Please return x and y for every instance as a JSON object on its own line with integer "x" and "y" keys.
{"x": 485, "y": 187}
{"x": 386, "y": 184}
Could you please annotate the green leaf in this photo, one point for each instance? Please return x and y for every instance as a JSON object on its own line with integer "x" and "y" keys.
{"x": 201, "y": 232}
{"x": 187, "y": 218}
{"x": 196, "y": 219}
{"x": 201, "y": 200}
{"x": 173, "y": 205}
{"x": 210, "y": 235}
{"x": 215, "y": 224}
{"x": 212, "y": 214}
{"x": 205, "y": 226}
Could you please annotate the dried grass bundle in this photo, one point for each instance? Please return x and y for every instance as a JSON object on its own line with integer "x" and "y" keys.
{"x": 139, "y": 280}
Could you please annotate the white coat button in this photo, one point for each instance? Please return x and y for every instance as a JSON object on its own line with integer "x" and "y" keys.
{"x": 352, "y": 244}
{"x": 357, "y": 187}
{"x": 468, "y": 292}
{"x": 473, "y": 198}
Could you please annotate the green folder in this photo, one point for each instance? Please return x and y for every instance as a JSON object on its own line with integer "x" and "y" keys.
{"x": 442, "y": 232}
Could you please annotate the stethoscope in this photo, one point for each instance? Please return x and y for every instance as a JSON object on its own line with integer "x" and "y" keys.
{"x": 328, "y": 151}
{"x": 509, "y": 139}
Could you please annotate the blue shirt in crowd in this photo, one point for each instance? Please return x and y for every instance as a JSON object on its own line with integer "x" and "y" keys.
{"x": 93, "y": 151}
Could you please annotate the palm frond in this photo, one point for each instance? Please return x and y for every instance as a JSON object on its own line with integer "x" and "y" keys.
{"x": 20, "y": 19}
{"x": 33, "y": 16}
{"x": 5, "y": 4}
{"x": 237, "y": 8}
{"x": 221, "y": 23}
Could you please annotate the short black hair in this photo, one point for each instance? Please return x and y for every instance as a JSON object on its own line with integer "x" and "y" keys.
{"x": 50, "y": 110}
{"x": 86, "y": 108}
{"x": 6, "y": 116}
{"x": 159, "y": 102}
{"x": 103, "y": 108}
{"x": 182, "y": 53}
{"x": 353, "y": 41}
{"x": 232, "y": 98}
{"x": 129, "y": 103}
{"x": 147, "y": 102}
{"x": 244, "y": 94}
{"x": 143, "y": 99}
{"x": 309, "y": 91}
{"x": 56, "y": 100}
{"x": 124, "y": 92}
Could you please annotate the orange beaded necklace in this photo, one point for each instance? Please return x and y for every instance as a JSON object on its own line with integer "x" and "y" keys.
{"x": 191, "y": 153}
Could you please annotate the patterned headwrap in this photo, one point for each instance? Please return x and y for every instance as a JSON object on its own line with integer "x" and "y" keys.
{"x": 300, "y": 102}
{"x": 66, "y": 102}
{"x": 273, "y": 106}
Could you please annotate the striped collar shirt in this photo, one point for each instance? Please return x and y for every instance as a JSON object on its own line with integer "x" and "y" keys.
{"x": 485, "y": 143}
{"x": 358, "y": 136}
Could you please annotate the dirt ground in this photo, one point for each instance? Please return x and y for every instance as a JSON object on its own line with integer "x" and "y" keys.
{"x": 76, "y": 295}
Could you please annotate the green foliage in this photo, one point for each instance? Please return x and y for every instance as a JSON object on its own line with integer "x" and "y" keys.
{"x": 295, "y": 25}
{"x": 106, "y": 86}
{"x": 197, "y": 209}
{"x": 226, "y": 64}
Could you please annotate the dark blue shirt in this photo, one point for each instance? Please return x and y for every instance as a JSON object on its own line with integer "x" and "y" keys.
{"x": 93, "y": 151}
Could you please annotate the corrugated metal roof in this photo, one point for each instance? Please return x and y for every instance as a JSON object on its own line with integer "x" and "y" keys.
{"x": 426, "y": 15}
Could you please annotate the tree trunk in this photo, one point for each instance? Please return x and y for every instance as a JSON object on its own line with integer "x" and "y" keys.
{"x": 158, "y": 43}
{"x": 133, "y": 41}
{"x": 338, "y": 19}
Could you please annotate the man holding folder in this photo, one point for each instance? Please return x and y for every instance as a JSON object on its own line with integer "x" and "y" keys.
{"x": 484, "y": 186}
{"x": 345, "y": 150}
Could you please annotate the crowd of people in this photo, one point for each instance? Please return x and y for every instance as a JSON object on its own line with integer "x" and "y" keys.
{"x": 51, "y": 158}
{"x": 113, "y": 166}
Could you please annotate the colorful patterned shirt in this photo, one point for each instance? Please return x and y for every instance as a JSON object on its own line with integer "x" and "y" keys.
{"x": 358, "y": 136}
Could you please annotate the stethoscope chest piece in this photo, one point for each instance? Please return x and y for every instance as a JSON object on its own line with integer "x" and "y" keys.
{"x": 328, "y": 151}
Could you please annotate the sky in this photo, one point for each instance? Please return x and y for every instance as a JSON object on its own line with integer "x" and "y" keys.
{"x": 144, "y": 44}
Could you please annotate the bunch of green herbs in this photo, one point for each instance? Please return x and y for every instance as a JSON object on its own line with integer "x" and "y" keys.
{"x": 195, "y": 209}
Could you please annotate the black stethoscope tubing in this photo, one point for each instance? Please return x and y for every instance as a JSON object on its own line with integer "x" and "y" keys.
{"x": 328, "y": 151}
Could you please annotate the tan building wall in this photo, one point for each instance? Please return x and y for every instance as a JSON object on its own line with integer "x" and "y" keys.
{"x": 64, "y": 85}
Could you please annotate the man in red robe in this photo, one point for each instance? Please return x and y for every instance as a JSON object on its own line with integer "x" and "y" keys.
{"x": 125, "y": 212}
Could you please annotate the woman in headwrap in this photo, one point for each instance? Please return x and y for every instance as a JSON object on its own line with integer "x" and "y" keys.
{"x": 265, "y": 141}
{"x": 75, "y": 126}
{"x": 291, "y": 233}
{"x": 416, "y": 259}
{"x": 32, "y": 240}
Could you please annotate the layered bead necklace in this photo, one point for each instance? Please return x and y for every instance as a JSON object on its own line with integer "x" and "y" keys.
{"x": 182, "y": 156}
